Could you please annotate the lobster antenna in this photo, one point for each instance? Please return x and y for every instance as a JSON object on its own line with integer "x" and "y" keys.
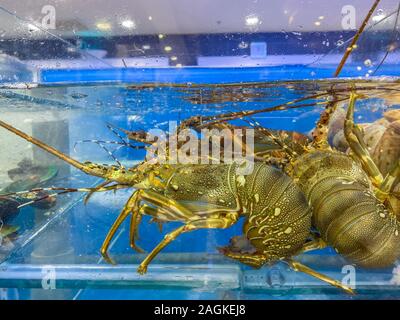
{"x": 44, "y": 146}
{"x": 53, "y": 195}
{"x": 207, "y": 120}
{"x": 320, "y": 134}
{"x": 100, "y": 143}
{"x": 391, "y": 41}
{"x": 127, "y": 132}
{"x": 107, "y": 142}
{"x": 111, "y": 128}
{"x": 110, "y": 153}
{"x": 255, "y": 124}
{"x": 62, "y": 191}
{"x": 352, "y": 45}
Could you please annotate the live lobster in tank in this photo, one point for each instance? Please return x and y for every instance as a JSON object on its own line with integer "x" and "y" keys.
{"x": 352, "y": 200}
{"x": 212, "y": 196}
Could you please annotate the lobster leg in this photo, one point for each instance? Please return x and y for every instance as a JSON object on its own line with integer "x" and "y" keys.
{"x": 320, "y": 133}
{"x": 137, "y": 218}
{"x": 122, "y": 216}
{"x": 179, "y": 212}
{"x": 131, "y": 206}
{"x": 354, "y": 138}
{"x": 391, "y": 179}
{"x": 315, "y": 244}
{"x": 297, "y": 266}
{"x": 165, "y": 206}
{"x": 255, "y": 260}
{"x": 222, "y": 222}
{"x": 96, "y": 189}
{"x": 137, "y": 213}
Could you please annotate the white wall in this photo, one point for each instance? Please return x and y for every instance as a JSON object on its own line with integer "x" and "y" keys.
{"x": 184, "y": 16}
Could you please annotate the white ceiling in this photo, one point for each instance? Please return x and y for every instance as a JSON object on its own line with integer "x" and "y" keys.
{"x": 182, "y": 16}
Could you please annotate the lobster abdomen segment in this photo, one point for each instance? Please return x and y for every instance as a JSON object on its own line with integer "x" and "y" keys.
{"x": 345, "y": 211}
{"x": 279, "y": 217}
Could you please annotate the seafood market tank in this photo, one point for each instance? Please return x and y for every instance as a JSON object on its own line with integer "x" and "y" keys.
{"x": 94, "y": 81}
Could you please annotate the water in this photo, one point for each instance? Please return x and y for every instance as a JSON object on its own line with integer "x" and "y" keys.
{"x": 58, "y": 246}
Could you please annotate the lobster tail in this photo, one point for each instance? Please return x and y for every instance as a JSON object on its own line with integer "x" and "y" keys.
{"x": 356, "y": 224}
{"x": 345, "y": 211}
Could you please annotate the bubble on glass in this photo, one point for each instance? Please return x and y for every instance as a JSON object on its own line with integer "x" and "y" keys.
{"x": 368, "y": 62}
{"x": 380, "y": 15}
{"x": 339, "y": 43}
{"x": 78, "y": 95}
{"x": 243, "y": 45}
{"x": 330, "y": 98}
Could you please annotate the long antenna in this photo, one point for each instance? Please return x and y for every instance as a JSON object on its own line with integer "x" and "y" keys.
{"x": 393, "y": 38}
{"x": 352, "y": 46}
{"x": 44, "y": 146}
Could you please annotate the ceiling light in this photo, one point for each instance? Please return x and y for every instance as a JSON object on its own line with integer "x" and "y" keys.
{"x": 129, "y": 24}
{"x": 103, "y": 26}
{"x": 252, "y": 20}
{"x": 167, "y": 48}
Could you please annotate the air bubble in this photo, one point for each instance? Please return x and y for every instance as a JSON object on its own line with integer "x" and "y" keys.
{"x": 339, "y": 43}
{"x": 243, "y": 45}
{"x": 368, "y": 62}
